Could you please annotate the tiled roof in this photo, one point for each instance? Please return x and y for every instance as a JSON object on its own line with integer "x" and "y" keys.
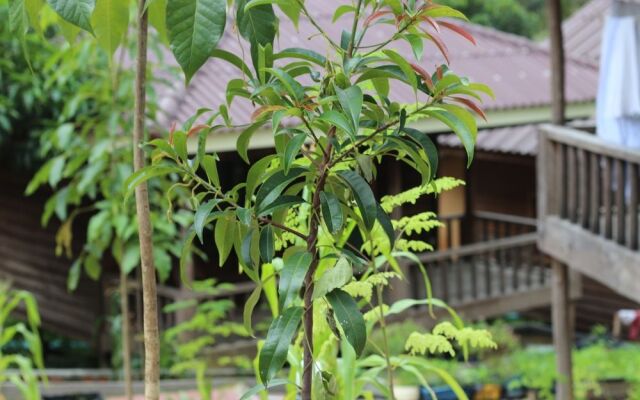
{"x": 518, "y": 140}
{"x": 516, "y": 68}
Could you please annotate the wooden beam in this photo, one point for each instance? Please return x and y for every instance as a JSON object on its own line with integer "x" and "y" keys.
{"x": 556, "y": 41}
{"x": 605, "y": 261}
{"x": 560, "y": 315}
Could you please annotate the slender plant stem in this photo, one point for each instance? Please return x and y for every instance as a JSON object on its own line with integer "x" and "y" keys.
{"x": 385, "y": 338}
{"x": 126, "y": 336}
{"x": 312, "y": 247}
{"x": 354, "y": 29}
{"x": 149, "y": 292}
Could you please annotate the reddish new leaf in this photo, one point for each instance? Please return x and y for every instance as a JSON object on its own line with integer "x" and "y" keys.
{"x": 423, "y": 73}
{"x": 375, "y": 16}
{"x": 473, "y": 106}
{"x": 439, "y": 43}
{"x": 432, "y": 22}
{"x": 459, "y": 30}
{"x": 265, "y": 109}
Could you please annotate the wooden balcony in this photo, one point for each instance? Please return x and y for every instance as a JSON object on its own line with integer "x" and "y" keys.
{"x": 588, "y": 207}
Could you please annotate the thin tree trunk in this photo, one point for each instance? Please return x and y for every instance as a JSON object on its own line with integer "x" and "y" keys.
{"x": 126, "y": 336}
{"x": 149, "y": 298}
{"x": 312, "y": 247}
{"x": 557, "y": 61}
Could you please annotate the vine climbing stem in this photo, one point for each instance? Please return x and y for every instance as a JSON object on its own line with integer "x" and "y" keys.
{"x": 149, "y": 297}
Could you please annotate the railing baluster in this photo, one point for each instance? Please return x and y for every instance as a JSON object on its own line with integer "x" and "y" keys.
{"x": 458, "y": 266}
{"x": 634, "y": 212}
{"x": 606, "y": 197}
{"x": 560, "y": 163}
{"x": 444, "y": 267}
{"x": 620, "y": 206}
{"x": 572, "y": 192}
{"x": 474, "y": 277}
{"x": 594, "y": 201}
{"x": 583, "y": 187}
{"x": 487, "y": 273}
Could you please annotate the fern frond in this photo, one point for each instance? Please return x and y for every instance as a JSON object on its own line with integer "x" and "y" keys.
{"x": 415, "y": 246}
{"x": 421, "y": 343}
{"x": 388, "y": 203}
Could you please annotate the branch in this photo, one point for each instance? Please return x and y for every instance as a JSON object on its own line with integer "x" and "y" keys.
{"x": 283, "y": 227}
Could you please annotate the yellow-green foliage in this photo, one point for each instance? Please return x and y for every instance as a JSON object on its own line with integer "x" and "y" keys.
{"x": 443, "y": 336}
{"x": 388, "y": 203}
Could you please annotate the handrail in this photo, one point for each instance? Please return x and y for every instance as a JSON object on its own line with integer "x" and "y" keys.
{"x": 509, "y": 218}
{"x": 482, "y": 247}
{"x": 585, "y": 141}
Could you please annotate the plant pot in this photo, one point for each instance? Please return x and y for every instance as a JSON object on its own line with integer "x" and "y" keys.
{"x": 406, "y": 392}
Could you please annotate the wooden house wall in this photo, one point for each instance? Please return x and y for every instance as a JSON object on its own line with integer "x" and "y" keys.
{"x": 28, "y": 260}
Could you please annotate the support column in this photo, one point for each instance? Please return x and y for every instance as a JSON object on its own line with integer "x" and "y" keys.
{"x": 562, "y": 334}
{"x": 557, "y": 61}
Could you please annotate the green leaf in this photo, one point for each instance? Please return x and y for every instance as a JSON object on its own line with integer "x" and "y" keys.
{"x": 334, "y": 278}
{"x": 233, "y": 60}
{"x": 271, "y": 189}
{"x": 349, "y": 317}
{"x": 92, "y": 267}
{"x": 351, "y": 101}
{"x": 463, "y": 127}
{"x": 250, "y": 394}
{"x": 293, "y": 88}
{"x": 363, "y": 195}
{"x": 110, "y": 21}
{"x": 280, "y": 203}
{"x": 257, "y": 25}
{"x": 291, "y": 151}
{"x": 18, "y": 18}
{"x": 249, "y": 305}
{"x": 293, "y": 272}
{"x": 185, "y": 257}
{"x": 158, "y": 18}
{"x": 225, "y": 234}
{"x": 74, "y": 275}
{"x": 302, "y": 54}
{"x": 338, "y": 120}
{"x": 404, "y": 304}
{"x": 242, "y": 144}
{"x": 267, "y": 246}
{"x": 387, "y": 226}
{"x": 144, "y": 175}
{"x": 417, "y": 45}
{"x": 76, "y": 12}
{"x": 130, "y": 258}
{"x": 427, "y": 145}
{"x": 201, "y": 216}
{"x": 404, "y": 66}
{"x": 195, "y": 28}
{"x": 276, "y": 345}
{"x": 256, "y": 173}
{"x": 331, "y": 211}
{"x": 210, "y": 167}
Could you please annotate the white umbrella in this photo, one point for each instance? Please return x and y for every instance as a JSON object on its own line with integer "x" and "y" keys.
{"x": 618, "y": 104}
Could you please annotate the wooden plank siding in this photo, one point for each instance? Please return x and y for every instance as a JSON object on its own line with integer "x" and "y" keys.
{"x": 28, "y": 260}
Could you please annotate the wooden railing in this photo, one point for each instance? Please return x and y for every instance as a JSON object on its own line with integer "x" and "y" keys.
{"x": 487, "y": 269}
{"x": 590, "y": 183}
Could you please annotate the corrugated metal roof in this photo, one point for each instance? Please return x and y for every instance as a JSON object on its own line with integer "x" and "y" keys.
{"x": 583, "y": 31}
{"x": 518, "y": 140}
{"x": 516, "y": 68}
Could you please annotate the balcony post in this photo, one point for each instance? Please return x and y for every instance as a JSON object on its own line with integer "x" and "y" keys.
{"x": 557, "y": 62}
{"x": 562, "y": 335}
